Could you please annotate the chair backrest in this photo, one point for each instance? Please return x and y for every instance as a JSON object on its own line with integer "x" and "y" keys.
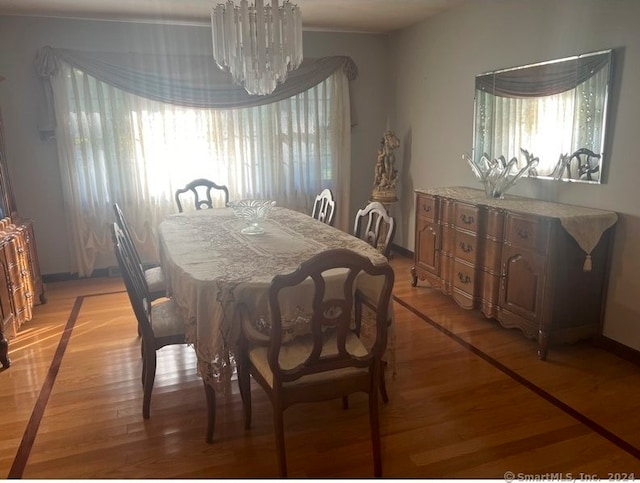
{"x": 134, "y": 282}
{"x": 131, "y": 247}
{"x": 324, "y": 207}
{"x": 128, "y": 239}
{"x": 331, "y": 314}
{"x": 201, "y": 189}
{"x": 587, "y": 163}
{"x": 374, "y": 225}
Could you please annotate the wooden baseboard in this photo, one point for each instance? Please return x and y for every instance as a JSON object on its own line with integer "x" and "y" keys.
{"x": 401, "y": 251}
{"x": 65, "y": 277}
{"x": 97, "y": 273}
{"x": 624, "y": 352}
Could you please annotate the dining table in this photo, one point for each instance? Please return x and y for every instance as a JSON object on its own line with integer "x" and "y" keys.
{"x": 212, "y": 269}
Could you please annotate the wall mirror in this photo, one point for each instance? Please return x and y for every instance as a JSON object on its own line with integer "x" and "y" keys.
{"x": 555, "y": 110}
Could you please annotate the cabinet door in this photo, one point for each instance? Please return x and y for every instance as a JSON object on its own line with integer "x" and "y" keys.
{"x": 522, "y": 282}
{"x": 427, "y": 241}
{"x": 427, "y": 245}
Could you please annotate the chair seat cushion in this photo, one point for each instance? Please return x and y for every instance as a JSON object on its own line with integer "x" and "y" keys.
{"x": 296, "y": 352}
{"x": 165, "y": 320}
{"x": 155, "y": 279}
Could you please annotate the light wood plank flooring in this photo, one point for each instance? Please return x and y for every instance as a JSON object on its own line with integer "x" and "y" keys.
{"x": 469, "y": 399}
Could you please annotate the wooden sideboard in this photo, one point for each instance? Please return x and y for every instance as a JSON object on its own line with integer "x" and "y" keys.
{"x": 21, "y": 284}
{"x": 537, "y": 266}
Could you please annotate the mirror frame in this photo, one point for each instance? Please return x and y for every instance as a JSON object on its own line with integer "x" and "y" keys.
{"x": 559, "y": 68}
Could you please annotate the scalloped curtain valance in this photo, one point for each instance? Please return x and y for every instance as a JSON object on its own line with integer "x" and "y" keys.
{"x": 544, "y": 79}
{"x": 185, "y": 80}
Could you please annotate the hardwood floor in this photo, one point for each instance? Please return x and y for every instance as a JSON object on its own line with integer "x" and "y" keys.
{"x": 469, "y": 399}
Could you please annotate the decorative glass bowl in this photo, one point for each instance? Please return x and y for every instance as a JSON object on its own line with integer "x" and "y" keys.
{"x": 498, "y": 175}
{"x": 253, "y": 212}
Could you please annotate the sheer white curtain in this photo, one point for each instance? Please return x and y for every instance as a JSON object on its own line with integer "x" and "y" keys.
{"x": 117, "y": 147}
{"x": 525, "y": 123}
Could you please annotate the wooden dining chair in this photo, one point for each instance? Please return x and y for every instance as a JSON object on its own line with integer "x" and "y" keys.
{"x": 329, "y": 360}
{"x": 374, "y": 225}
{"x": 159, "y": 324}
{"x": 200, "y": 189}
{"x": 324, "y": 207}
{"x": 156, "y": 285}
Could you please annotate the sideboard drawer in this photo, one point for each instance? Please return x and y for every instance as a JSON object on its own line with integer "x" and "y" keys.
{"x": 464, "y": 277}
{"x": 466, "y": 246}
{"x": 426, "y": 206}
{"x": 466, "y": 217}
{"x": 528, "y": 232}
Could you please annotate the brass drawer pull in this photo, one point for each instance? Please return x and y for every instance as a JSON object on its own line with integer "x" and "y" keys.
{"x": 464, "y": 278}
{"x": 466, "y": 247}
{"x": 467, "y": 220}
{"x": 523, "y": 233}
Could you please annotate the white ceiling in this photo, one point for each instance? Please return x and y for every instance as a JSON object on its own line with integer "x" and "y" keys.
{"x": 374, "y": 16}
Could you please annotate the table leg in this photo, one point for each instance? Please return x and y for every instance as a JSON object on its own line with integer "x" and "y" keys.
{"x": 210, "y": 394}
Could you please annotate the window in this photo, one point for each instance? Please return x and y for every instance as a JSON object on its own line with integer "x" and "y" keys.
{"x": 119, "y": 147}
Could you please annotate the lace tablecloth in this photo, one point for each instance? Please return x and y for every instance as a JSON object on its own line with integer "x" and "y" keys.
{"x": 585, "y": 225}
{"x": 211, "y": 267}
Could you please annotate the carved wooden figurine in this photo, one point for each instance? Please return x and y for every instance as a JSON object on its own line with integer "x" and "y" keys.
{"x": 386, "y": 175}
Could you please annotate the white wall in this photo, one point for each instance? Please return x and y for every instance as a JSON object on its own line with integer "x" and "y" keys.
{"x": 436, "y": 63}
{"x": 33, "y": 163}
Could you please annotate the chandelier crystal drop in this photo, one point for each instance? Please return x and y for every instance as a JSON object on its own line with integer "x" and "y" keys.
{"x": 258, "y": 45}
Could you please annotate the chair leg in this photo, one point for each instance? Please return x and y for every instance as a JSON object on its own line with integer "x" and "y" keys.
{"x": 375, "y": 432}
{"x": 383, "y": 387}
{"x": 149, "y": 375}
{"x": 244, "y": 383}
{"x": 278, "y": 426}
{"x": 144, "y": 361}
{"x": 382, "y": 383}
{"x": 210, "y": 394}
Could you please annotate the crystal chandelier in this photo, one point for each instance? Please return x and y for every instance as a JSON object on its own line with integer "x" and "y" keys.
{"x": 257, "y": 44}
